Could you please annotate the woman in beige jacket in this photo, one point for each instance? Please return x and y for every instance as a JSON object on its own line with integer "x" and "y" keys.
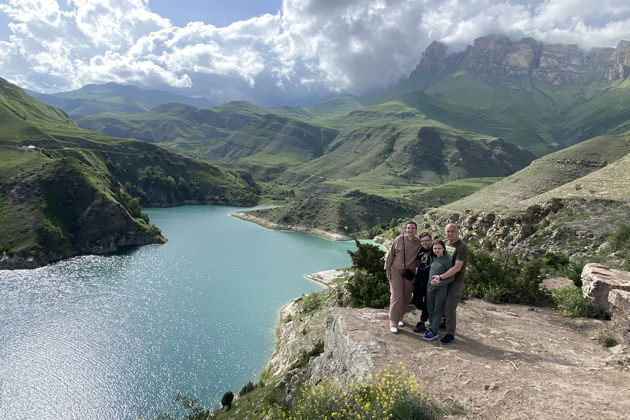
{"x": 401, "y": 256}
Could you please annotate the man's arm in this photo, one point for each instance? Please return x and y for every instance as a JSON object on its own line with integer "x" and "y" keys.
{"x": 452, "y": 271}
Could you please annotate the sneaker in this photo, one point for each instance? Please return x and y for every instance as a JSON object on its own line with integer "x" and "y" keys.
{"x": 430, "y": 335}
{"x": 393, "y": 330}
{"x": 401, "y": 324}
{"x": 447, "y": 339}
{"x": 419, "y": 328}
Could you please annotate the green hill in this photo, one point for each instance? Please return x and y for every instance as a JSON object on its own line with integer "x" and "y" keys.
{"x": 238, "y": 133}
{"x": 112, "y": 98}
{"x": 591, "y": 169}
{"x": 538, "y": 116}
{"x": 67, "y": 191}
{"x": 337, "y": 106}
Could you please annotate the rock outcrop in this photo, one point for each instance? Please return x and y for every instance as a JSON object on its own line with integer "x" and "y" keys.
{"x": 598, "y": 281}
{"x": 507, "y": 362}
{"x": 609, "y": 289}
{"x": 497, "y": 55}
{"x": 619, "y": 301}
{"x": 348, "y": 350}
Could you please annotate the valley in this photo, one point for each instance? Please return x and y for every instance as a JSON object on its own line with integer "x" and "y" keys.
{"x": 501, "y": 127}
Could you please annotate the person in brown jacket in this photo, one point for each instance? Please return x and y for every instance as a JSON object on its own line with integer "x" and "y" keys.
{"x": 402, "y": 255}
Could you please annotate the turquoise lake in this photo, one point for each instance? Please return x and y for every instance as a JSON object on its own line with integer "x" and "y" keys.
{"x": 119, "y": 336}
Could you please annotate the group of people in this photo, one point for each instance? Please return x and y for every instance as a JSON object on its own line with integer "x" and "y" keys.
{"x": 433, "y": 272}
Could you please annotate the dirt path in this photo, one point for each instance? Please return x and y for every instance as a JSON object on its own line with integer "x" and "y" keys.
{"x": 508, "y": 362}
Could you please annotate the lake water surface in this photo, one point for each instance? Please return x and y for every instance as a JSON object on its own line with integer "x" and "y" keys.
{"x": 117, "y": 337}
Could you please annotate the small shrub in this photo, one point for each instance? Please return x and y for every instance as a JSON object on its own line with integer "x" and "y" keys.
{"x": 307, "y": 355}
{"x": 607, "y": 340}
{"x": 570, "y": 302}
{"x": 226, "y": 400}
{"x": 311, "y": 302}
{"x": 247, "y": 388}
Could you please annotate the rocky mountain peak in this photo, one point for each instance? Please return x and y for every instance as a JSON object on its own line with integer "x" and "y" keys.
{"x": 497, "y": 55}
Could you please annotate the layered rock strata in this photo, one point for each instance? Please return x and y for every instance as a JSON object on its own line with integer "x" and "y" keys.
{"x": 497, "y": 55}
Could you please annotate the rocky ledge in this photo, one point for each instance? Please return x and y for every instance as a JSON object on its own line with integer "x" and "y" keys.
{"x": 507, "y": 362}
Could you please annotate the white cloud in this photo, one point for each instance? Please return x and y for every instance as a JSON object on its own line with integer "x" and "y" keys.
{"x": 312, "y": 48}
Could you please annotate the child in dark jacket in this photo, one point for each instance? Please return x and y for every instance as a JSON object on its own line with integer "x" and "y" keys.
{"x": 437, "y": 289}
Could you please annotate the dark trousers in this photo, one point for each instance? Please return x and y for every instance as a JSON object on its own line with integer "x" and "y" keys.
{"x": 450, "y": 307}
{"x": 420, "y": 296}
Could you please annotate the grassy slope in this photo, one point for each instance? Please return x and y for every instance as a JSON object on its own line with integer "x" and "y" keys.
{"x": 536, "y": 115}
{"x": 237, "y": 132}
{"x": 586, "y": 164}
{"x": 393, "y": 145}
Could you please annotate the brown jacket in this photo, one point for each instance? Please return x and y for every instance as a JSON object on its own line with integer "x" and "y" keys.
{"x": 394, "y": 258}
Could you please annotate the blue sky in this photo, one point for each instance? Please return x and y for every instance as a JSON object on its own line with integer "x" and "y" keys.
{"x": 270, "y": 52}
{"x": 215, "y": 12}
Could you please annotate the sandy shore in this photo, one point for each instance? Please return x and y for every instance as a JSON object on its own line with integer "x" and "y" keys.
{"x": 292, "y": 228}
{"x": 326, "y": 277}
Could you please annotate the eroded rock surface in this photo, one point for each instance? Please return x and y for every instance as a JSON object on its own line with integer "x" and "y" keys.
{"x": 598, "y": 281}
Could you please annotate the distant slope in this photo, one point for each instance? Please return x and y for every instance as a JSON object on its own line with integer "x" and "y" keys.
{"x": 392, "y": 145}
{"x": 339, "y": 105}
{"x": 238, "y": 133}
{"x": 113, "y": 98}
{"x": 73, "y": 191}
{"x": 593, "y": 168}
{"x": 530, "y": 113}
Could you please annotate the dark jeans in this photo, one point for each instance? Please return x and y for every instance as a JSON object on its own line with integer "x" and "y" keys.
{"x": 420, "y": 297}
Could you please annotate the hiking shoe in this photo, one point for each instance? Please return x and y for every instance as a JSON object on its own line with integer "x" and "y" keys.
{"x": 401, "y": 324}
{"x": 447, "y": 339}
{"x": 419, "y": 328}
{"x": 430, "y": 335}
{"x": 393, "y": 330}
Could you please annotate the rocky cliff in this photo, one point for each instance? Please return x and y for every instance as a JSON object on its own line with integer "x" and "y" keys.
{"x": 497, "y": 55}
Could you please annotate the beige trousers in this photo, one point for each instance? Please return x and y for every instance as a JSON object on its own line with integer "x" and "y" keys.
{"x": 400, "y": 291}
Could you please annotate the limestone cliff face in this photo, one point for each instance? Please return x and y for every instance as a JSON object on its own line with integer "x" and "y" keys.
{"x": 497, "y": 55}
{"x": 347, "y": 351}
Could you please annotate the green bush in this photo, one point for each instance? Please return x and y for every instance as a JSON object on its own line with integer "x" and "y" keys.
{"x": 307, "y": 355}
{"x": 312, "y": 302}
{"x": 607, "y": 340}
{"x": 226, "y": 399}
{"x": 368, "y": 258}
{"x": 571, "y": 303}
{"x": 368, "y": 286}
{"x": 504, "y": 279}
{"x": 367, "y": 290}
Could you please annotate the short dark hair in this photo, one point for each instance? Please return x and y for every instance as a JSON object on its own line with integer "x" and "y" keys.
{"x": 423, "y": 234}
{"x": 411, "y": 222}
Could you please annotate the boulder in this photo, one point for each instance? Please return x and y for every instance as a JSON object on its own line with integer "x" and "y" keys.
{"x": 619, "y": 301}
{"x": 598, "y": 281}
{"x": 349, "y": 348}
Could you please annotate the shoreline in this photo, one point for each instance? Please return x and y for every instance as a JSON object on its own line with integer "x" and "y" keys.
{"x": 291, "y": 228}
{"x": 326, "y": 277}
